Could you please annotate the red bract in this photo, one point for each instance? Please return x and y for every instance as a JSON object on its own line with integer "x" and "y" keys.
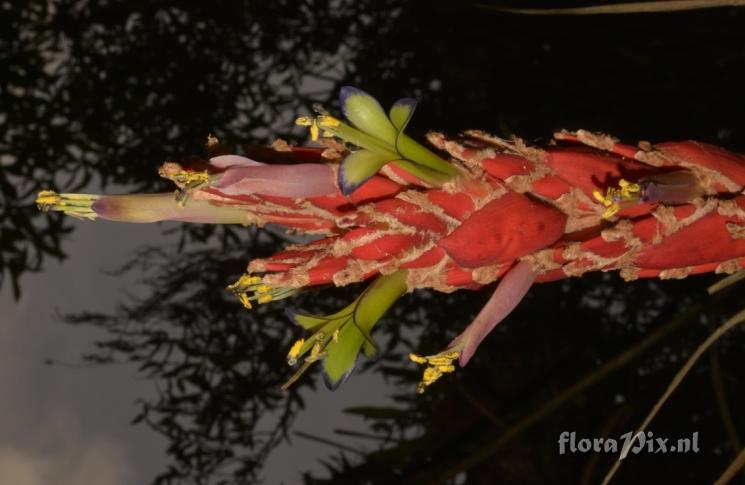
{"x": 514, "y": 202}
{"x": 593, "y": 204}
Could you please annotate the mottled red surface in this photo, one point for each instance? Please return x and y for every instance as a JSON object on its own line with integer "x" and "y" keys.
{"x": 513, "y": 202}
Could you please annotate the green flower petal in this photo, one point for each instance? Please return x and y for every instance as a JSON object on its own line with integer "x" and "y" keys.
{"x": 357, "y": 168}
{"x": 411, "y": 150}
{"x": 364, "y": 112}
{"x": 401, "y": 112}
{"x": 342, "y": 356}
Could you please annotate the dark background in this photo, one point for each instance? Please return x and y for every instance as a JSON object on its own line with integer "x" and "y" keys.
{"x": 102, "y": 92}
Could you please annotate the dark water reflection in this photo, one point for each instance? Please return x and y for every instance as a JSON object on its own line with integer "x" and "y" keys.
{"x": 111, "y": 89}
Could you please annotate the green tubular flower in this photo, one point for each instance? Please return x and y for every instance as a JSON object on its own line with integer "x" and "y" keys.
{"x": 338, "y": 338}
{"x": 380, "y": 138}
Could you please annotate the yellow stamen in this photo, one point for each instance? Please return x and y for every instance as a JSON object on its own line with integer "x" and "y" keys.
{"x": 186, "y": 180}
{"x": 46, "y": 198}
{"x": 417, "y": 359}
{"x": 311, "y": 123}
{"x": 437, "y": 366}
{"x": 189, "y": 178}
{"x": 322, "y": 122}
{"x": 76, "y": 205}
{"x": 294, "y": 352}
{"x": 626, "y": 192}
{"x": 245, "y": 300}
{"x": 315, "y": 353}
{"x": 248, "y": 280}
{"x": 250, "y": 288}
{"x": 328, "y": 122}
{"x": 335, "y": 336}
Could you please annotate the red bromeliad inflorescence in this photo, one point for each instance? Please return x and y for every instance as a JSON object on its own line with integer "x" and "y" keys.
{"x": 501, "y": 211}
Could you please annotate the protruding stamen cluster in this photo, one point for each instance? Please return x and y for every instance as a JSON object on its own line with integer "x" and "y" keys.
{"x": 437, "y": 366}
{"x": 324, "y": 122}
{"x": 316, "y": 344}
{"x": 191, "y": 179}
{"x": 251, "y": 288}
{"x": 76, "y": 205}
{"x": 615, "y": 197}
{"x": 187, "y": 180}
{"x": 315, "y": 347}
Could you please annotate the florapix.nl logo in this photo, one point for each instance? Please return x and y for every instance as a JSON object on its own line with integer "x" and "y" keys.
{"x": 645, "y": 442}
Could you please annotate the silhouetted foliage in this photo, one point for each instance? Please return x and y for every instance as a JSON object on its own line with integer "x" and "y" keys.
{"x": 218, "y": 368}
{"x": 103, "y": 91}
{"x": 495, "y": 420}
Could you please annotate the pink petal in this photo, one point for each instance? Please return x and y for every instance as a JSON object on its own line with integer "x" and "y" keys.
{"x": 300, "y": 180}
{"x": 225, "y": 161}
{"x": 510, "y": 291}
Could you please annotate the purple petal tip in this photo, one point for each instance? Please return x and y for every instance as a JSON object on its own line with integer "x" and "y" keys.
{"x": 333, "y": 386}
{"x": 410, "y": 102}
{"x": 345, "y": 187}
{"x": 345, "y": 92}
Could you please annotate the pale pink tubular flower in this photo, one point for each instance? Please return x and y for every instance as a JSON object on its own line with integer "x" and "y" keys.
{"x": 139, "y": 208}
{"x": 243, "y": 176}
{"x": 511, "y": 289}
{"x": 238, "y": 176}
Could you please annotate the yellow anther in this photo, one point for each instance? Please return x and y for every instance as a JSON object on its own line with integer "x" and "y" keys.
{"x": 250, "y": 288}
{"x": 601, "y": 198}
{"x": 76, "y": 205}
{"x": 245, "y": 281}
{"x": 242, "y": 287}
{"x": 316, "y": 349}
{"x": 418, "y": 359}
{"x": 46, "y": 198}
{"x": 614, "y": 197}
{"x": 310, "y": 122}
{"x": 186, "y": 180}
{"x": 325, "y": 122}
{"x": 430, "y": 375}
{"x": 193, "y": 178}
{"x": 611, "y": 211}
{"x": 294, "y": 352}
{"x": 443, "y": 359}
{"x": 437, "y": 366}
{"x": 335, "y": 336}
{"x": 245, "y": 300}
{"x": 315, "y": 353}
